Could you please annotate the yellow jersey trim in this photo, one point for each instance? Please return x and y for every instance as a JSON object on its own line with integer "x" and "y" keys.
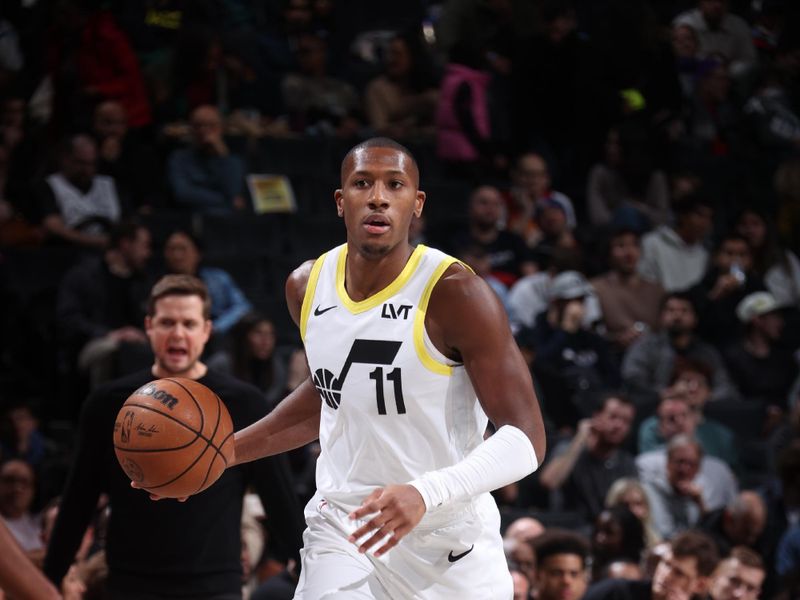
{"x": 308, "y": 297}
{"x": 386, "y": 293}
{"x": 425, "y": 357}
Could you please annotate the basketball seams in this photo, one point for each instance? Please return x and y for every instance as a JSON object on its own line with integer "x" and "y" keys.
{"x": 194, "y": 470}
{"x": 196, "y": 403}
{"x": 211, "y": 443}
{"x": 182, "y": 473}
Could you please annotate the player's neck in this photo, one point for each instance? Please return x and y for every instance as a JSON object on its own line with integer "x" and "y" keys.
{"x": 365, "y": 276}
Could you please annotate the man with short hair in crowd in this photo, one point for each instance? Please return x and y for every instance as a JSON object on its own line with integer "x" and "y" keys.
{"x": 630, "y": 303}
{"x": 738, "y": 577}
{"x": 691, "y": 383}
{"x": 206, "y": 177}
{"x": 75, "y": 204}
{"x": 531, "y": 186}
{"x": 649, "y": 363}
{"x": 675, "y": 256}
{"x": 721, "y": 34}
{"x": 508, "y": 254}
{"x": 739, "y": 524}
{"x": 683, "y": 573}
{"x": 563, "y": 557}
{"x": 101, "y": 305}
{"x": 585, "y": 467}
{"x": 682, "y": 484}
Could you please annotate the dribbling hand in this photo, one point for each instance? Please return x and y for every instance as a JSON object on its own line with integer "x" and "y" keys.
{"x": 397, "y": 509}
{"x": 156, "y": 496}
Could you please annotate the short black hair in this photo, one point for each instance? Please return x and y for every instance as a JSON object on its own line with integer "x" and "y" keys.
{"x": 377, "y": 142}
{"x": 561, "y": 541}
{"x": 683, "y": 295}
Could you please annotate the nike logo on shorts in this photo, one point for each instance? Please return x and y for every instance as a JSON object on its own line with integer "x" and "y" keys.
{"x": 318, "y": 312}
{"x": 454, "y": 557}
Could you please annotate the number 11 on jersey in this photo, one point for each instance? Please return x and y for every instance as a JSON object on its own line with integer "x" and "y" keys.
{"x": 395, "y": 376}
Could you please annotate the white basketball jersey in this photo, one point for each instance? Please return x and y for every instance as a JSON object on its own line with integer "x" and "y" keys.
{"x": 393, "y": 407}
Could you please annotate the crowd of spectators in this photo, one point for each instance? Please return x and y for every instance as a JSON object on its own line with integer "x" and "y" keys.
{"x": 624, "y": 174}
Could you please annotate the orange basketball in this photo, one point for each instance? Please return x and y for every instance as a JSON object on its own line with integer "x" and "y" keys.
{"x": 173, "y": 437}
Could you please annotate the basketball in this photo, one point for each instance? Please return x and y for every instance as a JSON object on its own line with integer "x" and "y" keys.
{"x": 173, "y": 437}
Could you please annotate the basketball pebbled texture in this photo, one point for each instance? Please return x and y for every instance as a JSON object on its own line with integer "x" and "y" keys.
{"x": 173, "y": 437}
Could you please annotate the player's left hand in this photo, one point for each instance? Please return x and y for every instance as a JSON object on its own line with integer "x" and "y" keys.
{"x": 397, "y": 509}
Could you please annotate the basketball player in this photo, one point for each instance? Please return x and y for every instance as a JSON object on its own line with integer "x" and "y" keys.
{"x": 410, "y": 352}
{"x": 160, "y": 550}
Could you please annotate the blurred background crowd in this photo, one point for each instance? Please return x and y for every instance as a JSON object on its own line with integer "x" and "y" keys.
{"x": 624, "y": 173}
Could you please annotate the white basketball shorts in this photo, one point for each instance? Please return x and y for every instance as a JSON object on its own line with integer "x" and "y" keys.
{"x": 462, "y": 559}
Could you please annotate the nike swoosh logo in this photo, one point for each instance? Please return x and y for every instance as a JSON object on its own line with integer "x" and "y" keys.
{"x": 318, "y": 312}
{"x": 454, "y": 557}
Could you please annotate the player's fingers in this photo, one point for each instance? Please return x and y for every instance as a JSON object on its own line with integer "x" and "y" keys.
{"x": 368, "y": 506}
{"x": 376, "y": 523}
{"x": 374, "y": 539}
{"x": 400, "y": 531}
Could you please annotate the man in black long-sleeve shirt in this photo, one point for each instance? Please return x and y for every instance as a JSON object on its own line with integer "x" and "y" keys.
{"x": 169, "y": 549}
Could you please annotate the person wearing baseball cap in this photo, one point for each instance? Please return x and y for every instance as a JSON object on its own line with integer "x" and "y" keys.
{"x": 760, "y": 366}
{"x": 572, "y": 361}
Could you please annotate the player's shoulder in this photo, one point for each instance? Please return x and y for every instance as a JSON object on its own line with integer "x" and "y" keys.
{"x": 297, "y": 282}
{"x": 460, "y": 283}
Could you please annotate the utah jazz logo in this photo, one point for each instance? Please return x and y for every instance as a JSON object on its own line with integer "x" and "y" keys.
{"x": 371, "y": 352}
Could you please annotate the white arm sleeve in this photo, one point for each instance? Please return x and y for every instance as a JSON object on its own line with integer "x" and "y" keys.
{"x": 504, "y": 458}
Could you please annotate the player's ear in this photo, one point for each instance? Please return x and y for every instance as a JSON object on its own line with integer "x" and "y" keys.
{"x": 338, "y": 196}
{"x": 419, "y": 203}
{"x": 208, "y": 327}
{"x": 148, "y": 323}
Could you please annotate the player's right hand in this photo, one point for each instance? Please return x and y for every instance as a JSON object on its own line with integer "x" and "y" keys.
{"x": 399, "y": 509}
{"x": 156, "y": 496}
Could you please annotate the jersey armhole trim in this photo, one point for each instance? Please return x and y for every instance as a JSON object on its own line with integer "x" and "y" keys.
{"x": 426, "y": 358}
{"x": 308, "y": 297}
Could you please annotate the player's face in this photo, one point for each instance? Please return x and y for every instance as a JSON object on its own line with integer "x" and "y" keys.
{"x": 735, "y": 581}
{"x": 562, "y": 577}
{"x": 378, "y": 198}
{"x": 178, "y": 333}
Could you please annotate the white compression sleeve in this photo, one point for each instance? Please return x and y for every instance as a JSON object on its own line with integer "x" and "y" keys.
{"x": 504, "y": 458}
